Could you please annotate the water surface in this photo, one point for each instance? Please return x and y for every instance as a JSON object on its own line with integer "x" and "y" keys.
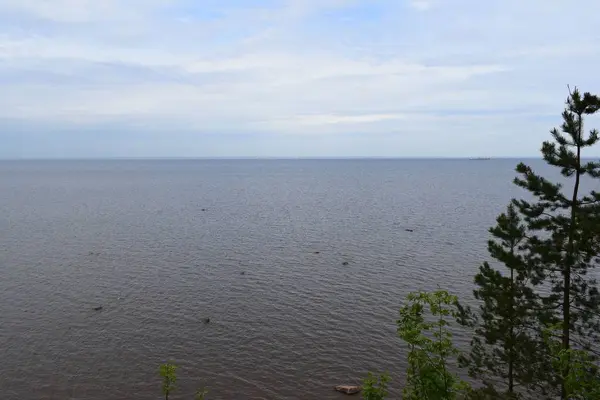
{"x": 264, "y": 260}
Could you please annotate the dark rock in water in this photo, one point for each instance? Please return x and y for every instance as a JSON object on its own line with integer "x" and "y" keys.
{"x": 206, "y": 320}
{"x": 242, "y": 273}
{"x": 348, "y": 389}
{"x": 345, "y": 263}
{"x": 409, "y": 230}
{"x": 317, "y": 252}
{"x": 204, "y": 209}
{"x": 98, "y": 308}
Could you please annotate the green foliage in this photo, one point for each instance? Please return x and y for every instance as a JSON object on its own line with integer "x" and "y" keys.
{"x": 201, "y": 394}
{"x": 582, "y": 377}
{"x": 490, "y": 393}
{"x": 563, "y": 232}
{"x": 168, "y": 373}
{"x": 506, "y": 344}
{"x": 430, "y": 346}
{"x": 375, "y": 388}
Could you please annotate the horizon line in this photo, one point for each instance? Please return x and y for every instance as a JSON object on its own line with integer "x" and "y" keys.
{"x": 273, "y": 158}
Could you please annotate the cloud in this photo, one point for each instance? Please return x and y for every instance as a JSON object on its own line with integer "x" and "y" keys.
{"x": 80, "y": 11}
{"x": 421, "y": 5}
{"x": 287, "y": 69}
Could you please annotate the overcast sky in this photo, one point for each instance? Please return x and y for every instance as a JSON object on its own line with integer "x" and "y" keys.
{"x": 230, "y": 78}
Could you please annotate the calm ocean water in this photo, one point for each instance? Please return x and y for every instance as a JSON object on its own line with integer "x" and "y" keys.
{"x": 285, "y": 322}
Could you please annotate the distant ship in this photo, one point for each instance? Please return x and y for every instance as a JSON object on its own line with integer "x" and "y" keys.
{"x": 481, "y": 158}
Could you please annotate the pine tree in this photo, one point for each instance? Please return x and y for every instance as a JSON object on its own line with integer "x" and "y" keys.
{"x": 563, "y": 229}
{"x": 505, "y": 343}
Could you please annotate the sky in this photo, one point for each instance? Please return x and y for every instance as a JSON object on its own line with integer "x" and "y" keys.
{"x": 290, "y": 78}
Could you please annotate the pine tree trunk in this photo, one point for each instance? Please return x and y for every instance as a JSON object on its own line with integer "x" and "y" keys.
{"x": 511, "y": 352}
{"x": 566, "y": 328}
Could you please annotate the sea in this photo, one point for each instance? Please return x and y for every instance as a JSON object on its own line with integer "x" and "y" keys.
{"x": 301, "y": 266}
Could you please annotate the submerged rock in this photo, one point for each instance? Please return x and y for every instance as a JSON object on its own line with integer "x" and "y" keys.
{"x": 348, "y": 389}
{"x": 206, "y": 320}
{"x": 345, "y": 263}
{"x": 98, "y": 308}
{"x": 409, "y": 230}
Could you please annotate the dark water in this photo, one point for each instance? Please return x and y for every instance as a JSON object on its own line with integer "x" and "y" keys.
{"x": 286, "y": 323}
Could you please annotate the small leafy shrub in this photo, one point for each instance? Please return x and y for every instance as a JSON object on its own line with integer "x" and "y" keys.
{"x": 375, "y": 388}
{"x": 168, "y": 373}
{"x": 424, "y": 326}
